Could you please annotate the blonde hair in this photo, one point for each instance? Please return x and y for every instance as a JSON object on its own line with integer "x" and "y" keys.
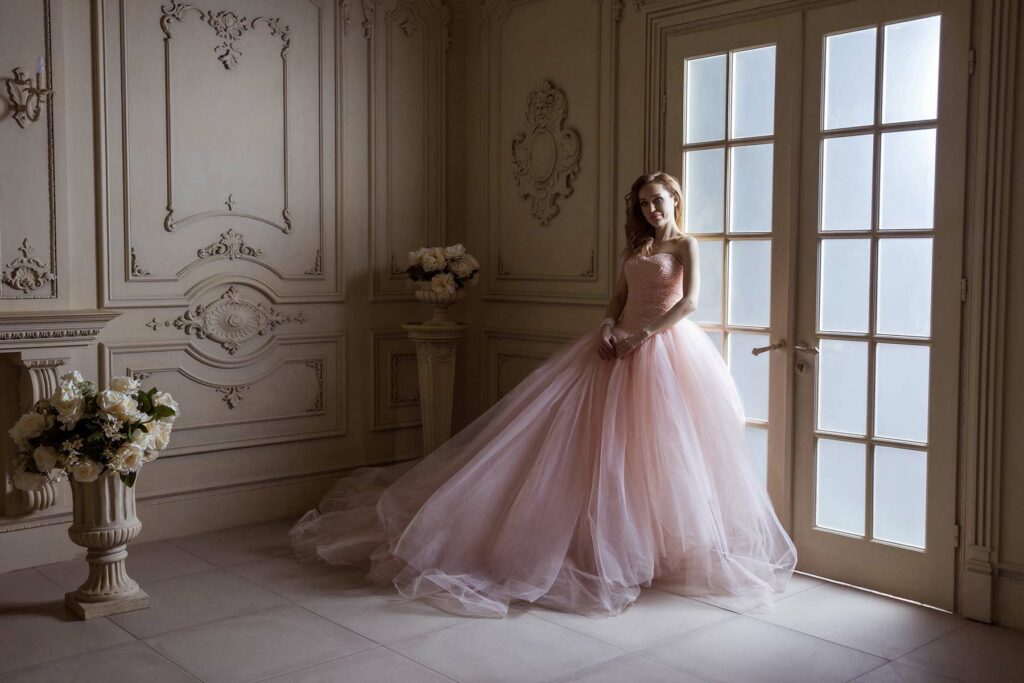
{"x": 640, "y": 233}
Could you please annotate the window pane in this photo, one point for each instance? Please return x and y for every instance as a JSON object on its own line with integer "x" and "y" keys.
{"x": 750, "y": 372}
{"x": 908, "y": 180}
{"x": 904, "y": 286}
{"x": 842, "y": 386}
{"x": 757, "y": 442}
{"x": 901, "y": 392}
{"x": 910, "y": 70}
{"x": 750, "y": 188}
{"x": 709, "y": 303}
{"x": 901, "y": 488}
{"x": 845, "y": 285}
{"x": 705, "y": 99}
{"x": 753, "y": 92}
{"x": 716, "y": 339}
{"x": 850, "y": 79}
{"x": 840, "y": 486}
{"x": 846, "y": 183}
{"x": 750, "y": 264}
{"x": 705, "y": 190}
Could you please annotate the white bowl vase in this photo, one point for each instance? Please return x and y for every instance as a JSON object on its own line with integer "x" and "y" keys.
{"x": 104, "y": 522}
{"x": 440, "y": 302}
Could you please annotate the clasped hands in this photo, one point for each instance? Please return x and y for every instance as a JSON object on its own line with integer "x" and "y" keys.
{"x": 611, "y": 347}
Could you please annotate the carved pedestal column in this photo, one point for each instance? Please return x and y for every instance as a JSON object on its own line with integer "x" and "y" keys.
{"x": 105, "y": 522}
{"x": 38, "y": 381}
{"x": 435, "y": 355}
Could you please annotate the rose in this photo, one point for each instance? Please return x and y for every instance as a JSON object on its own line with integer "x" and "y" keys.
{"x": 142, "y": 438}
{"x": 70, "y": 404}
{"x": 86, "y": 470}
{"x": 120, "y": 405}
{"x": 471, "y": 262}
{"x": 433, "y": 259}
{"x": 443, "y": 283}
{"x": 129, "y": 457}
{"x": 416, "y": 257}
{"x": 45, "y": 458}
{"x": 462, "y": 269}
{"x": 162, "y": 398}
{"x": 151, "y": 454}
{"x": 125, "y": 385}
{"x": 455, "y": 251}
{"x": 160, "y": 433}
{"x": 73, "y": 376}
{"x": 28, "y": 426}
{"x": 28, "y": 481}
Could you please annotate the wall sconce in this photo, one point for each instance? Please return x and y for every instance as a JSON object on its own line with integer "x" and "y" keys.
{"x": 27, "y": 100}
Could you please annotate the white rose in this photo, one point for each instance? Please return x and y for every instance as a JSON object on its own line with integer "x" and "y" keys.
{"x": 120, "y": 405}
{"x": 69, "y": 404}
{"x": 462, "y": 269}
{"x": 45, "y": 458}
{"x": 472, "y": 262}
{"x": 475, "y": 280}
{"x": 125, "y": 385}
{"x": 443, "y": 283}
{"x": 162, "y": 398}
{"x": 142, "y": 438}
{"x": 87, "y": 470}
{"x": 106, "y": 400}
{"x": 129, "y": 457}
{"x": 30, "y": 425}
{"x": 455, "y": 251}
{"x": 160, "y": 432}
{"x": 151, "y": 454}
{"x": 416, "y": 257}
{"x": 18, "y": 437}
{"x": 28, "y": 481}
{"x": 73, "y": 376}
{"x": 433, "y": 259}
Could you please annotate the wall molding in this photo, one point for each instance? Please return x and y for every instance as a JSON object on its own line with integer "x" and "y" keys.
{"x": 500, "y": 346}
{"x": 391, "y": 409}
{"x": 990, "y": 192}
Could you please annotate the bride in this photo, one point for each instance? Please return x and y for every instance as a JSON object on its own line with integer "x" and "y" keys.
{"x": 622, "y": 459}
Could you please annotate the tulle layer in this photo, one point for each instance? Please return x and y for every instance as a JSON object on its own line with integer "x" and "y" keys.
{"x": 587, "y": 481}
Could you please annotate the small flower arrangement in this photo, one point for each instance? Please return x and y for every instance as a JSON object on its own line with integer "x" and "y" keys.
{"x": 448, "y": 269}
{"x": 82, "y": 433}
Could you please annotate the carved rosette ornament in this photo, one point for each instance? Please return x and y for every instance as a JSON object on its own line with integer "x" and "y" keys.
{"x": 228, "y": 26}
{"x": 26, "y": 274}
{"x": 547, "y": 156}
{"x": 232, "y": 245}
{"x": 230, "y": 321}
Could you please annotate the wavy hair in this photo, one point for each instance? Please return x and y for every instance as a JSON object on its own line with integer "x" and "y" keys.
{"x": 640, "y": 233}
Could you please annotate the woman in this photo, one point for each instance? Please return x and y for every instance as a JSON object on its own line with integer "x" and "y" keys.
{"x": 619, "y": 460}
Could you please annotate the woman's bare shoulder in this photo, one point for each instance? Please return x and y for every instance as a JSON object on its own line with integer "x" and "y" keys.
{"x": 684, "y": 248}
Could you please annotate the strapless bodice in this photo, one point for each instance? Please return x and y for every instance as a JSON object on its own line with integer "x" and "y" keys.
{"x": 655, "y": 284}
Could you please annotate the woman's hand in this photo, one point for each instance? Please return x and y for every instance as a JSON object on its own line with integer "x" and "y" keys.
{"x": 627, "y": 345}
{"x": 606, "y": 347}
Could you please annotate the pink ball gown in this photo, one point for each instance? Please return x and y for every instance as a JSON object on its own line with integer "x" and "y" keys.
{"x": 587, "y": 481}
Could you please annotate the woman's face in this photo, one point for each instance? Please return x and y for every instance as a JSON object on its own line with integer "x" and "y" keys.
{"x": 657, "y": 204}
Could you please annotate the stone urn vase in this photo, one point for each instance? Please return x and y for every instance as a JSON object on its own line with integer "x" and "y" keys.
{"x": 440, "y": 302}
{"x": 104, "y": 522}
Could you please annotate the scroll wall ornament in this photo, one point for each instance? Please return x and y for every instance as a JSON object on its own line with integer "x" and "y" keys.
{"x": 233, "y": 395}
{"x": 317, "y": 366}
{"x": 367, "y": 18}
{"x": 547, "y": 156}
{"x": 26, "y": 98}
{"x": 137, "y": 269}
{"x": 229, "y": 27}
{"x": 318, "y": 268}
{"x": 230, "y": 321}
{"x": 26, "y": 274}
{"x": 231, "y": 245}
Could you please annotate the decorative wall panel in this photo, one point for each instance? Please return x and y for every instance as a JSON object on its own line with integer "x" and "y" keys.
{"x": 509, "y": 356}
{"x": 557, "y": 58}
{"x": 407, "y": 160}
{"x": 290, "y": 389}
{"x": 396, "y": 390}
{"x": 31, "y": 179}
{"x": 221, "y": 143}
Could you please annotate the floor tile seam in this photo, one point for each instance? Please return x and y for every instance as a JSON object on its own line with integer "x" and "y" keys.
{"x": 304, "y": 666}
{"x": 418, "y": 663}
{"x": 910, "y": 666}
{"x": 373, "y": 642}
{"x": 10, "y": 672}
{"x": 171, "y": 661}
{"x": 207, "y": 624}
{"x": 53, "y": 581}
{"x": 587, "y": 669}
{"x": 650, "y": 644}
{"x": 874, "y": 654}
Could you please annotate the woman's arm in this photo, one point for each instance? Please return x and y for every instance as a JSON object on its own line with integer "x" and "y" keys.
{"x": 606, "y": 347}
{"x": 689, "y": 255}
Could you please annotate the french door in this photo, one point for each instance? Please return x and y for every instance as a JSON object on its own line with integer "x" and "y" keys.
{"x": 822, "y": 159}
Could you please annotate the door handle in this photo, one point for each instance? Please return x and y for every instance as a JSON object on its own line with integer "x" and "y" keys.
{"x": 800, "y": 346}
{"x": 761, "y": 349}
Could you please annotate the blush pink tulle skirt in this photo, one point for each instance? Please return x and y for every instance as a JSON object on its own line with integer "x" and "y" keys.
{"x": 585, "y": 483}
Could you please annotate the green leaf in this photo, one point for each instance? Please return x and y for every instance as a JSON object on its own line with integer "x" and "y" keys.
{"x": 160, "y": 412}
{"x": 129, "y": 478}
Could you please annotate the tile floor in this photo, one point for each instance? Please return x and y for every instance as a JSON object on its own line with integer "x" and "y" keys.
{"x": 233, "y": 605}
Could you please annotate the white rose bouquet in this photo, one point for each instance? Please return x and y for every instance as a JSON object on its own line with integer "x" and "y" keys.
{"x": 82, "y": 433}
{"x": 448, "y": 269}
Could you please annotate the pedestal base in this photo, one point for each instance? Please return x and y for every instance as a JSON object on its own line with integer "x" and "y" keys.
{"x": 94, "y": 610}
